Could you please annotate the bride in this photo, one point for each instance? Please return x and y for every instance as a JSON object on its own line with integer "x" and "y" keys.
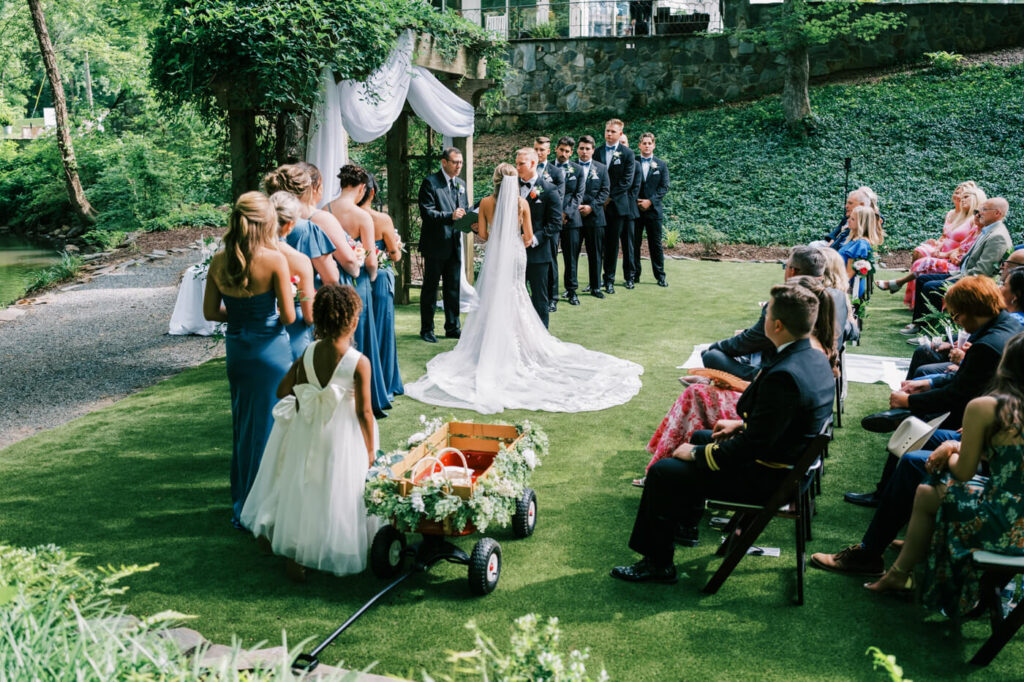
{"x": 505, "y": 357}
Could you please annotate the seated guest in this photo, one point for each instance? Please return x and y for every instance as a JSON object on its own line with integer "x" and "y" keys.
{"x": 1013, "y": 285}
{"x": 786, "y": 406}
{"x": 973, "y": 512}
{"x": 836, "y": 280}
{"x": 836, "y": 237}
{"x": 944, "y": 260}
{"x": 865, "y": 235}
{"x": 704, "y": 403}
{"x": 955, "y": 217}
{"x": 742, "y": 354}
{"x": 984, "y": 258}
{"x": 976, "y": 304}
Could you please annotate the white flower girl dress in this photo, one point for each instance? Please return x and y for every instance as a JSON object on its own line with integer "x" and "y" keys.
{"x": 307, "y": 498}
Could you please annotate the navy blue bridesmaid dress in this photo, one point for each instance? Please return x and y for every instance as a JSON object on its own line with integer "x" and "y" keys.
{"x": 367, "y": 344}
{"x": 258, "y": 357}
{"x": 384, "y": 321}
{"x": 307, "y": 238}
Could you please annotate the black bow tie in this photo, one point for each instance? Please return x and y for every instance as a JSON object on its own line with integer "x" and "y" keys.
{"x": 524, "y": 183}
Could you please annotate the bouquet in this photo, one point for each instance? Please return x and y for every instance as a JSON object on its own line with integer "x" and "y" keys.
{"x": 863, "y": 267}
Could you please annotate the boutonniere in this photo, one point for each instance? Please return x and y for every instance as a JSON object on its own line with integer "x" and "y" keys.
{"x": 593, "y": 174}
{"x": 654, "y": 165}
{"x": 536, "y": 192}
{"x": 462, "y": 190}
{"x": 616, "y": 154}
{"x": 547, "y": 176}
{"x": 570, "y": 170}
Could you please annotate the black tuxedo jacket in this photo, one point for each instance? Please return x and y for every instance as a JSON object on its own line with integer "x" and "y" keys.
{"x": 573, "y": 196}
{"x": 546, "y": 217}
{"x": 621, "y": 170}
{"x": 552, "y": 174}
{"x": 595, "y": 191}
{"x": 783, "y": 409}
{"x": 634, "y": 191}
{"x": 438, "y": 239}
{"x": 655, "y": 187}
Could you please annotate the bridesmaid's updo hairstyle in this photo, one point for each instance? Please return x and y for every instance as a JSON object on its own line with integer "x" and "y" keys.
{"x": 336, "y": 309}
{"x": 290, "y": 178}
{"x": 289, "y": 210}
{"x": 314, "y": 173}
{"x": 352, "y": 175}
{"x": 253, "y": 224}
{"x": 503, "y": 169}
{"x": 372, "y": 188}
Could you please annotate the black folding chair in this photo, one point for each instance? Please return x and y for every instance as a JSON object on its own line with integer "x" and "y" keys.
{"x": 997, "y": 571}
{"x": 791, "y": 500}
{"x": 841, "y": 385}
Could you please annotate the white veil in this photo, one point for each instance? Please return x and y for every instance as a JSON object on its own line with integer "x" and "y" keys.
{"x": 505, "y": 357}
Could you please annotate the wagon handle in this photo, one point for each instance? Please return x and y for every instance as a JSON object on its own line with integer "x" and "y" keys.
{"x": 436, "y": 459}
{"x": 428, "y": 458}
{"x": 465, "y": 465}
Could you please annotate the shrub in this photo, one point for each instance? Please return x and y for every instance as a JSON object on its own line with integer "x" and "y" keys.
{"x": 945, "y": 62}
{"x": 200, "y": 215}
{"x": 63, "y": 271}
{"x": 105, "y": 240}
{"x": 671, "y": 237}
{"x": 709, "y": 238}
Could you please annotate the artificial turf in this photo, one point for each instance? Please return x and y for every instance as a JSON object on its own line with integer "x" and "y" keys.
{"x": 146, "y": 480}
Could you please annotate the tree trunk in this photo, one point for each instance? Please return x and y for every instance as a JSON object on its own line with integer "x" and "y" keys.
{"x": 88, "y": 83}
{"x": 67, "y": 152}
{"x": 796, "y": 104}
{"x": 244, "y": 152}
{"x": 398, "y": 205}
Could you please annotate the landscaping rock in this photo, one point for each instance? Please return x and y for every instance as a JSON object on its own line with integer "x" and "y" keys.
{"x": 186, "y": 640}
{"x": 72, "y": 249}
{"x": 10, "y": 314}
{"x": 219, "y": 655}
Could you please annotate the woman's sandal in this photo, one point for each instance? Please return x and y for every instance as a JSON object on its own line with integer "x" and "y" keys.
{"x": 890, "y": 285}
{"x": 895, "y": 581}
{"x": 639, "y": 482}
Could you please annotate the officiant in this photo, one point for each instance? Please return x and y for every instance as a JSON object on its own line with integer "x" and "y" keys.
{"x": 442, "y": 201}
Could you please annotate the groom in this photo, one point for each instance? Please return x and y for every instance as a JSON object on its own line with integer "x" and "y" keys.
{"x": 546, "y": 218}
{"x": 442, "y": 201}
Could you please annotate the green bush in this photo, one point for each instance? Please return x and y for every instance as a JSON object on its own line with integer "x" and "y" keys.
{"x": 945, "y": 62}
{"x": 63, "y": 271}
{"x": 709, "y": 238}
{"x": 671, "y": 237}
{"x": 105, "y": 240}
{"x": 198, "y": 215}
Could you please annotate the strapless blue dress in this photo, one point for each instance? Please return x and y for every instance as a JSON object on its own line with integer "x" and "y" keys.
{"x": 308, "y": 239}
{"x": 384, "y": 321}
{"x": 258, "y": 357}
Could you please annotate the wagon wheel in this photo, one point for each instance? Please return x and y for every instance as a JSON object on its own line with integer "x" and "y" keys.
{"x": 387, "y": 552}
{"x": 484, "y": 566}
{"x": 525, "y": 519}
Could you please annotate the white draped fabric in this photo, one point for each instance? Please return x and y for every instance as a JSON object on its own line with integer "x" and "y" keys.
{"x": 187, "y": 317}
{"x": 505, "y": 358}
{"x": 366, "y": 110}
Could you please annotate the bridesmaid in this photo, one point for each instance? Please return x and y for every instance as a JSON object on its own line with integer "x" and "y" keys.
{"x": 248, "y": 284}
{"x": 359, "y": 226}
{"x": 387, "y": 241}
{"x": 289, "y": 212}
{"x": 345, "y": 253}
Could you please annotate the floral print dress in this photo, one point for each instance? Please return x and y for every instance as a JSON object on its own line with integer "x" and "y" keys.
{"x": 962, "y": 238}
{"x": 699, "y": 407}
{"x": 976, "y": 514}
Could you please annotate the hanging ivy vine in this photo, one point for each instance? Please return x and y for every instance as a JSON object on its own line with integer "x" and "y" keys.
{"x": 273, "y": 51}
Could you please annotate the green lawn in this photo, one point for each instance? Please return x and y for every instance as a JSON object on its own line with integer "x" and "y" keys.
{"x": 146, "y": 480}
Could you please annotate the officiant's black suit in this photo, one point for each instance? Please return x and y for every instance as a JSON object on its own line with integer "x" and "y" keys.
{"x": 654, "y": 188}
{"x": 621, "y": 169}
{"x": 546, "y": 219}
{"x": 783, "y": 409}
{"x": 441, "y": 246}
{"x": 572, "y": 225}
{"x": 595, "y": 191}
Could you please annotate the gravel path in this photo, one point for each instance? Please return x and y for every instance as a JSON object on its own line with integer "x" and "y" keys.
{"x": 90, "y": 344}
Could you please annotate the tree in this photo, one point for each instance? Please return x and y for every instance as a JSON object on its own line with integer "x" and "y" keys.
{"x": 67, "y": 151}
{"x": 796, "y": 25}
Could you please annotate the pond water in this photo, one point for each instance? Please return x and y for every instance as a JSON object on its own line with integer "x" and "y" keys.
{"x": 19, "y": 263}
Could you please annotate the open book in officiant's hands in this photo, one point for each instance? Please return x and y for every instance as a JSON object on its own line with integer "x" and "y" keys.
{"x": 466, "y": 222}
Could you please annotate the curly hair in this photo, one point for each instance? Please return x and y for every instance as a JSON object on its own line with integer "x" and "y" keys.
{"x": 976, "y": 295}
{"x": 336, "y": 310}
{"x": 314, "y": 173}
{"x": 252, "y": 224}
{"x": 352, "y": 175}
{"x": 290, "y": 178}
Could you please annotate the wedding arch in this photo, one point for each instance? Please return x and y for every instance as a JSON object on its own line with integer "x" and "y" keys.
{"x": 409, "y": 82}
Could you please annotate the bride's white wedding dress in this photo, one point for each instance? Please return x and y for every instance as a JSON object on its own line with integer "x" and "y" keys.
{"x": 505, "y": 358}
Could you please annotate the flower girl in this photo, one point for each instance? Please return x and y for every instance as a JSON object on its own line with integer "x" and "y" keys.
{"x": 307, "y": 500}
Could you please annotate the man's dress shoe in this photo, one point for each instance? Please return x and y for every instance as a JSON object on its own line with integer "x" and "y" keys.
{"x": 552, "y": 307}
{"x": 596, "y": 293}
{"x": 609, "y": 288}
{"x": 884, "y": 422}
{"x": 573, "y": 298}
{"x": 428, "y": 337}
{"x": 629, "y": 284}
{"x": 643, "y": 572}
{"x": 453, "y": 335}
{"x": 662, "y": 283}
{"x": 862, "y": 499}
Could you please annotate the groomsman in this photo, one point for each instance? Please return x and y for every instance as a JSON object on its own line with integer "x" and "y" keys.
{"x": 553, "y": 175}
{"x": 572, "y": 222}
{"x": 546, "y": 217}
{"x": 619, "y": 160}
{"x": 654, "y": 183}
{"x": 629, "y": 244}
{"x": 442, "y": 201}
{"x": 595, "y": 194}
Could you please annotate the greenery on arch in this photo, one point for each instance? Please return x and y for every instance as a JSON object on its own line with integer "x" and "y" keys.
{"x": 274, "y": 51}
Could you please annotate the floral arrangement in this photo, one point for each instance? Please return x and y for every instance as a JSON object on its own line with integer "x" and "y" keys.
{"x": 863, "y": 267}
{"x": 384, "y": 259}
{"x": 534, "y": 655}
{"x": 494, "y": 497}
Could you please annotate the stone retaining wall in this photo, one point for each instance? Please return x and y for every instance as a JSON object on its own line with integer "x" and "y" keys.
{"x": 597, "y": 76}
